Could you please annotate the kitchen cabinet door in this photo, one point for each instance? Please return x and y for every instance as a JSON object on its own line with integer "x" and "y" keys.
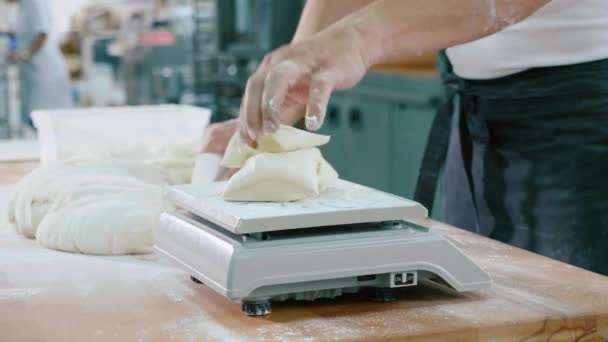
{"x": 368, "y": 135}
{"x": 410, "y": 130}
{"x": 335, "y": 127}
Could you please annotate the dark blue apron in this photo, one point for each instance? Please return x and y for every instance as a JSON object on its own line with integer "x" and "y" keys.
{"x": 527, "y": 160}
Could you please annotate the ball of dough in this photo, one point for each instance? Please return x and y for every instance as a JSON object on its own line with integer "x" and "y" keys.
{"x": 285, "y": 166}
{"x": 281, "y": 177}
{"x": 104, "y": 224}
{"x": 286, "y": 139}
{"x": 93, "y": 206}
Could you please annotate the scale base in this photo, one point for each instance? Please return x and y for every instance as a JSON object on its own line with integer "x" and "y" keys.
{"x": 263, "y": 307}
{"x": 385, "y": 294}
{"x": 306, "y": 264}
{"x": 196, "y": 280}
{"x": 258, "y": 308}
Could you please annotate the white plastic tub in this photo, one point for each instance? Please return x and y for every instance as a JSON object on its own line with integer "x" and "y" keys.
{"x": 67, "y": 133}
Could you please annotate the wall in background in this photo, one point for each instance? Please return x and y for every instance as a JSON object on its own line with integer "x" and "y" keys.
{"x": 6, "y": 16}
{"x": 63, "y": 10}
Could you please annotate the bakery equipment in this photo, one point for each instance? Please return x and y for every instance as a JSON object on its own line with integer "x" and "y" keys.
{"x": 97, "y": 131}
{"x": 349, "y": 238}
{"x": 11, "y": 125}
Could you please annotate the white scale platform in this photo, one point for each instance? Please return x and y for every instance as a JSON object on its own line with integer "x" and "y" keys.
{"x": 346, "y": 203}
{"x": 348, "y": 238}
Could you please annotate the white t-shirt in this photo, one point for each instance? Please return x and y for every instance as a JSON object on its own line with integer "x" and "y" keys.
{"x": 562, "y": 32}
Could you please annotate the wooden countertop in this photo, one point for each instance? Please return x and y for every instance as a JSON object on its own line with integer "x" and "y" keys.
{"x": 52, "y": 296}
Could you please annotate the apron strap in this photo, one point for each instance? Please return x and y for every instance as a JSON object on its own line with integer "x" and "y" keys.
{"x": 471, "y": 126}
{"x": 437, "y": 143}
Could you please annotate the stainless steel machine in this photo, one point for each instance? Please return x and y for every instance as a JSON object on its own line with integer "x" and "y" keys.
{"x": 349, "y": 238}
{"x": 230, "y": 39}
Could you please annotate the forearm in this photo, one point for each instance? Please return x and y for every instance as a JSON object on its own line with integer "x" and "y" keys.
{"x": 37, "y": 44}
{"x": 387, "y": 30}
{"x": 316, "y": 16}
{"x": 319, "y": 14}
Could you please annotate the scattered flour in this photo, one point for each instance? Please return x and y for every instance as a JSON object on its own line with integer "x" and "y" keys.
{"x": 326, "y": 328}
{"x": 200, "y": 325}
{"x": 13, "y": 294}
{"x": 174, "y": 296}
{"x": 85, "y": 290}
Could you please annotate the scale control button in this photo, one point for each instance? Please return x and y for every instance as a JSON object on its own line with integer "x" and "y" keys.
{"x": 404, "y": 279}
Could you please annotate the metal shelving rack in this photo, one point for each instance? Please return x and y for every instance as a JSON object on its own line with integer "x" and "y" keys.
{"x": 10, "y": 105}
{"x": 230, "y": 39}
{"x": 205, "y": 47}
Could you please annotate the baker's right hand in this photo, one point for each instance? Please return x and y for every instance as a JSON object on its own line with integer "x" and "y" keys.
{"x": 297, "y": 80}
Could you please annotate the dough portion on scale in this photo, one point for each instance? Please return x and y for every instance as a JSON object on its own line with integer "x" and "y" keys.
{"x": 281, "y": 177}
{"x": 286, "y": 139}
{"x": 285, "y": 166}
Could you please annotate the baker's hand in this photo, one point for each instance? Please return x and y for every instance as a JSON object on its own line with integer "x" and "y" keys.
{"x": 18, "y": 57}
{"x": 218, "y": 135}
{"x": 216, "y": 140}
{"x": 297, "y": 80}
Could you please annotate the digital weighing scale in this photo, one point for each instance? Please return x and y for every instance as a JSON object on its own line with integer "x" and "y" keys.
{"x": 349, "y": 238}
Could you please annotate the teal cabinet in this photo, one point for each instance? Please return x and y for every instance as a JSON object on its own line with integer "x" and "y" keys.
{"x": 412, "y": 124}
{"x": 358, "y": 149}
{"x": 334, "y": 152}
{"x": 379, "y": 131}
{"x": 368, "y": 127}
{"x": 411, "y": 127}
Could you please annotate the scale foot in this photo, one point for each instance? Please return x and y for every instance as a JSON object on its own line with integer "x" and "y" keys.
{"x": 385, "y": 294}
{"x": 259, "y": 308}
{"x": 195, "y": 280}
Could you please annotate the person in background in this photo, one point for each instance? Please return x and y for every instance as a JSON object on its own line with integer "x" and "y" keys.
{"x": 524, "y": 134}
{"x": 44, "y": 77}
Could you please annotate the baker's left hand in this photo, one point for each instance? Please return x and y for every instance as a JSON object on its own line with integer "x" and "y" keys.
{"x": 216, "y": 140}
{"x": 218, "y": 135}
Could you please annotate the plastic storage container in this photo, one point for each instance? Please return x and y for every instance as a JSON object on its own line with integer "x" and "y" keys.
{"x": 66, "y": 133}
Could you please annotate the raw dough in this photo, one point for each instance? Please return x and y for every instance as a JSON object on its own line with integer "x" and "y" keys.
{"x": 91, "y": 206}
{"x": 206, "y": 169}
{"x": 285, "y": 166}
{"x": 286, "y": 139}
{"x": 177, "y": 160}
